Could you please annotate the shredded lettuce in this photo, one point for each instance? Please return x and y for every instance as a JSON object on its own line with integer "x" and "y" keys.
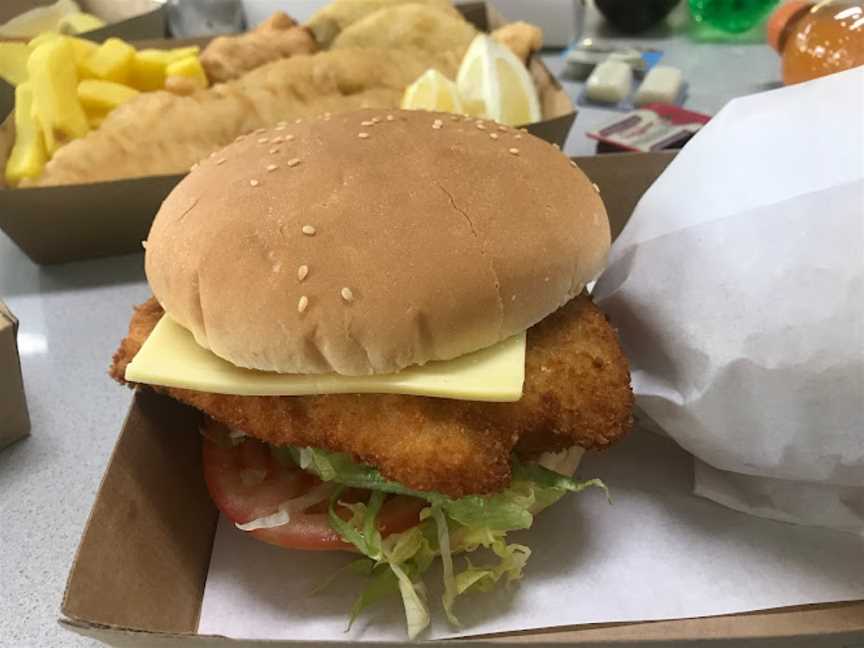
{"x": 365, "y": 536}
{"x": 448, "y": 526}
{"x": 450, "y": 589}
{"x": 381, "y": 583}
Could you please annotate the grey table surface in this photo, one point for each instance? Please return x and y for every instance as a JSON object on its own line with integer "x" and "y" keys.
{"x": 71, "y": 318}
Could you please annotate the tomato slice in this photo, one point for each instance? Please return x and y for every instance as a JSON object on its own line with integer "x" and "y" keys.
{"x": 247, "y": 482}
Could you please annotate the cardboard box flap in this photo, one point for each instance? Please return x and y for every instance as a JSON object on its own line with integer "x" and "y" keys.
{"x": 831, "y": 626}
{"x": 6, "y": 314}
{"x": 95, "y": 219}
{"x": 14, "y": 417}
{"x": 143, "y": 557}
{"x": 622, "y": 179}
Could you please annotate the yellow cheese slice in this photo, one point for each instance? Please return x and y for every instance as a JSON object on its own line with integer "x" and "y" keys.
{"x": 171, "y": 358}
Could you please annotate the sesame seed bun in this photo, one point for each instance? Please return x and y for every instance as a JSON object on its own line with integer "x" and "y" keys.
{"x": 370, "y": 241}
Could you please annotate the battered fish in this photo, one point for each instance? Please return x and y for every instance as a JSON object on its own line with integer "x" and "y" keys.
{"x": 329, "y": 21}
{"x": 577, "y": 392}
{"x": 230, "y": 57}
{"x": 158, "y": 133}
{"x": 411, "y": 26}
{"x": 522, "y": 38}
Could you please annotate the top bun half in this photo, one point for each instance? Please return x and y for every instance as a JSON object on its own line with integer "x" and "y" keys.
{"x": 371, "y": 241}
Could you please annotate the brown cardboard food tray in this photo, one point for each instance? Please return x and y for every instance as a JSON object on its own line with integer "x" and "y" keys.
{"x": 139, "y": 575}
{"x": 14, "y": 420}
{"x": 59, "y": 224}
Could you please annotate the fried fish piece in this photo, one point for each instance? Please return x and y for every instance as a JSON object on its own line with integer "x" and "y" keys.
{"x": 329, "y": 21}
{"x": 522, "y": 38}
{"x": 410, "y": 26}
{"x": 577, "y": 392}
{"x": 229, "y": 57}
{"x": 159, "y": 133}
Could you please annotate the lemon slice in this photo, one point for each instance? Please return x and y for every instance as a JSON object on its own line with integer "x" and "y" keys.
{"x": 493, "y": 83}
{"x": 432, "y": 91}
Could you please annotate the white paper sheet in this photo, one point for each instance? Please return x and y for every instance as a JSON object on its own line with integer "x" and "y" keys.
{"x": 657, "y": 552}
{"x": 738, "y": 290}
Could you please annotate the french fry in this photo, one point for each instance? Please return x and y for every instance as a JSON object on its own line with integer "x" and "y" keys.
{"x": 55, "y": 93}
{"x": 148, "y": 66}
{"x": 112, "y": 61}
{"x": 189, "y": 68}
{"x": 28, "y": 155}
{"x": 13, "y": 62}
{"x": 44, "y": 37}
{"x": 82, "y": 48}
{"x": 98, "y": 96}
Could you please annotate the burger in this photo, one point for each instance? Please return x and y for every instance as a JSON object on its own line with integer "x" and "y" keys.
{"x": 382, "y": 318}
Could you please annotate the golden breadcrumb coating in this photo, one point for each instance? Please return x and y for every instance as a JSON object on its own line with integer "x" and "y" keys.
{"x": 577, "y": 392}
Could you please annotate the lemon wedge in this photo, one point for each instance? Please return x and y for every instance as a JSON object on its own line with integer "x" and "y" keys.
{"x": 493, "y": 83}
{"x": 432, "y": 91}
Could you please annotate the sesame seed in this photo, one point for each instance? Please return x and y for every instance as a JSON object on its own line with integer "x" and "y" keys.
{"x": 274, "y": 150}
{"x": 254, "y": 183}
{"x": 298, "y": 121}
{"x": 503, "y": 129}
{"x": 514, "y": 151}
{"x": 289, "y": 138}
{"x": 308, "y": 230}
{"x": 596, "y": 188}
{"x": 144, "y": 244}
{"x": 375, "y": 120}
{"x": 556, "y": 147}
{"x": 517, "y": 136}
{"x": 390, "y": 118}
{"x": 260, "y": 130}
{"x": 363, "y": 135}
{"x": 437, "y": 124}
{"x": 524, "y": 130}
{"x": 239, "y": 138}
{"x": 302, "y": 304}
{"x": 263, "y": 140}
{"x": 302, "y": 272}
{"x": 573, "y": 164}
{"x": 220, "y": 161}
{"x": 454, "y": 117}
{"x": 367, "y": 123}
{"x": 271, "y": 167}
{"x": 212, "y": 155}
{"x": 346, "y": 293}
{"x": 276, "y": 139}
{"x": 282, "y": 123}
{"x": 493, "y": 135}
{"x": 481, "y": 125}
{"x": 193, "y": 167}
{"x": 293, "y": 162}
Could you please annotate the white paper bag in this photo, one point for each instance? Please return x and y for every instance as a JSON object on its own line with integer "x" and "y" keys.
{"x": 738, "y": 290}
